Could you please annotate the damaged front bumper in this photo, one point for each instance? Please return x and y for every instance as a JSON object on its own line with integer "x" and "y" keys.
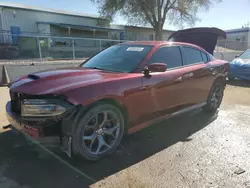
{"x": 15, "y": 122}
{"x": 42, "y": 127}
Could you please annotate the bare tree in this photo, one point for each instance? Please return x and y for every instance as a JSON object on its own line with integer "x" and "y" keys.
{"x": 154, "y": 12}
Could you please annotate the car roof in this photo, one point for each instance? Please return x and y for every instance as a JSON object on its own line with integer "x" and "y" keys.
{"x": 162, "y": 43}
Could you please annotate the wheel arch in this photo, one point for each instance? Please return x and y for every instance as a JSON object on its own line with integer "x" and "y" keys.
{"x": 221, "y": 79}
{"x": 209, "y": 107}
{"x": 119, "y": 104}
{"x": 80, "y": 111}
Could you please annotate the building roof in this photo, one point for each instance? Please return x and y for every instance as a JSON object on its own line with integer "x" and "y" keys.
{"x": 239, "y": 30}
{"x": 55, "y": 11}
{"x": 80, "y": 26}
{"x": 138, "y": 27}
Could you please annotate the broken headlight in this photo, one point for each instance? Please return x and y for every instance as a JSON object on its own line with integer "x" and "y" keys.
{"x": 40, "y": 107}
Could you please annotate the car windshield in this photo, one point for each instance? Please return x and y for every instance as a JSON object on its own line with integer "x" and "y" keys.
{"x": 119, "y": 58}
{"x": 245, "y": 55}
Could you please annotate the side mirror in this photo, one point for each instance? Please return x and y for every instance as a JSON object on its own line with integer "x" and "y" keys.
{"x": 155, "y": 67}
{"x": 237, "y": 56}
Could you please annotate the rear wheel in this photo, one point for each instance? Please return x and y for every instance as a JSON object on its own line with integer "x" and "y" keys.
{"x": 215, "y": 97}
{"x": 99, "y": 132}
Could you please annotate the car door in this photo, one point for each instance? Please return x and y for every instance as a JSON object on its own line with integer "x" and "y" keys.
{"x": 198, "y": 74}
{"x": 168, "y": 89}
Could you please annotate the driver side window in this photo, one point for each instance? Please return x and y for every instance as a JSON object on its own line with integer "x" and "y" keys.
{"x": 171, "y": 56}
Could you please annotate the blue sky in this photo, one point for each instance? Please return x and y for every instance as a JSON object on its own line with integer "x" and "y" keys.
{"x": 229, "y": 14}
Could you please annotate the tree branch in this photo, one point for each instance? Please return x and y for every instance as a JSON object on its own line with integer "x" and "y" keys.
{"x": 161, "y": 3}
{"x": 159, "y": 11}
{"x": 149, "y": 9}
{"x": 154, "y": 12}
{"x": 167, "y": 7}
{"x": 148, "y": 17}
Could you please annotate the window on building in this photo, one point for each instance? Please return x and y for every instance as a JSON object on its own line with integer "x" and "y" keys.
{"x": 171, "y": 56}
{"x": 192, "y": 55}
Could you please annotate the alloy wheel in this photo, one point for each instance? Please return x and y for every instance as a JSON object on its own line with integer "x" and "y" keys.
{"x": 101, "y": 132}
{"x": 217, "y": 96}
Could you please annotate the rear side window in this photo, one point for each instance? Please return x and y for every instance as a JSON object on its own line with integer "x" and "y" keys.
{"x": 171, "y": 56}
{"x": 192, "y": 56}
{"x": 204, "y": 57}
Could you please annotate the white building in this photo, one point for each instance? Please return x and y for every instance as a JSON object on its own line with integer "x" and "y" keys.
{"x": 237, "y": 39}
{"x": 29, "y": 19}
{"x": 140, "y": 33}
{"x": 17, "y": 22}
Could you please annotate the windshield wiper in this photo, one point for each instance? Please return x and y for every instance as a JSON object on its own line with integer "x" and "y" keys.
{"x": 98, "y": 68}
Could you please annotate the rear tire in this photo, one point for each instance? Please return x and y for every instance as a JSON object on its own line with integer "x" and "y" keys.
{"x": 215, "y": 97}
{"x": 99, "y": 132}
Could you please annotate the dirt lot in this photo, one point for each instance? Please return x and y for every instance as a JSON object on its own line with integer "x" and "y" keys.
{"x": 193, "y": 150}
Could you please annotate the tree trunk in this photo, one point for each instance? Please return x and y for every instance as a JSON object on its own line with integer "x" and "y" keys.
{"x": 158, "y": 32}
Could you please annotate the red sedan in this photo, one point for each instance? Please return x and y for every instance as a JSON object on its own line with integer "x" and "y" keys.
{"x": 120, "y": 90}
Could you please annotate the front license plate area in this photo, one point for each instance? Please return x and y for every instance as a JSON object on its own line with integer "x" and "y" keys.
{"x": 31, "y": 131}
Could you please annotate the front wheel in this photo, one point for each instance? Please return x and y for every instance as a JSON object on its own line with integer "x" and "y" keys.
{"x": 99, "y": 132}
{"x": 215, "y": 97}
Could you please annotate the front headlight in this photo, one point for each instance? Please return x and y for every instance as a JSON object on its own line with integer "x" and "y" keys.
{"x": 40, "y": 107}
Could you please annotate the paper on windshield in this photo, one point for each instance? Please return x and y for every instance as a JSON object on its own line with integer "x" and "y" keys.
{"x": 135, "y": 49}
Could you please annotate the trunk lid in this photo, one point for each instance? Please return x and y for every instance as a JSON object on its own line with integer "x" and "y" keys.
{"x": 204, "y": 37}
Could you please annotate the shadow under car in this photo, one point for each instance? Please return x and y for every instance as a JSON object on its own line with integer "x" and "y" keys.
{"x": 27, "y": 167}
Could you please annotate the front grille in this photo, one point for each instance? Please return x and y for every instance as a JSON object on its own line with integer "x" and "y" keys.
{"x": 15, "y": 102}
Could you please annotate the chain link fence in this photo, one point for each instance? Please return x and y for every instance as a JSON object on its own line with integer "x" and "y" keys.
{"x": 228, "y": 49}
{"x": 231, "y": 46}
{"x": 26, "y": 53}
{"x": 46, "y": 48}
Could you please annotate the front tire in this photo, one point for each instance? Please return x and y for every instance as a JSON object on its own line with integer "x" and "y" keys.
{"x": 99, "y": 131}
{"x": 215, "y": 97}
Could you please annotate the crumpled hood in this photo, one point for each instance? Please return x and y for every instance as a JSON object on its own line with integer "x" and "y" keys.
{"x": 61, "y": 80}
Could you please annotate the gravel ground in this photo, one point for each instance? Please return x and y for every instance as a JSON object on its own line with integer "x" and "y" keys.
{"x": 193, "y": 150}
